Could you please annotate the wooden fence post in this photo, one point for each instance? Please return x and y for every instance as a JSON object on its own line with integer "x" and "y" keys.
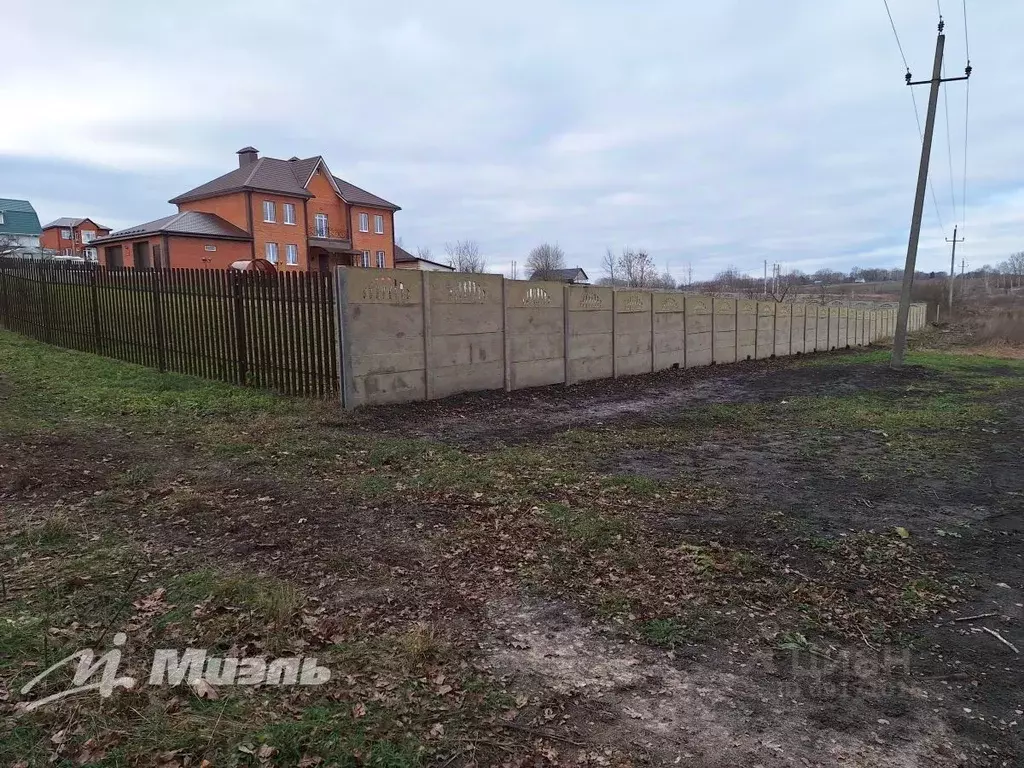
{"x": 158, "y": 320}
{"x": 241, "y": 356}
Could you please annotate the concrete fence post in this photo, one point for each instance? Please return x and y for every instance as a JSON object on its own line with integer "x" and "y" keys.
{"x": 615, "y": 340}
{"x": 345, "y": 384}
{"x": 736, "y": 313}
{"x": 428, "y": 384}
{"x": 505, "y": 338}
{"x": 566, "y": 332}
{"x": 654, "y": 349}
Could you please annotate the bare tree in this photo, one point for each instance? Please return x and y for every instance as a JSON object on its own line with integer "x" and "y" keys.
{"x": 610, "y": 265}
{"x": 424, "y": 252}
{"x": 464, "y": 256}
{"x": 636, "y": 268}
{"x": 544, "y": 260}
{"x": 1015, "y": 268}
{"x": 781, "y": 287}
{"x": 664, "y": 281}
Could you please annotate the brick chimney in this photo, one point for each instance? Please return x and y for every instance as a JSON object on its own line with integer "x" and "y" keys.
{"x": 247, "y": 156}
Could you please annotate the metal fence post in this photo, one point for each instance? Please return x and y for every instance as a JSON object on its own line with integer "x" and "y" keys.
{"x": 45, "y": 293}
{"x": 94, "y": 295}
{"x": 5, "y": 309}
{"x": 241, "y": 356}
{"x": 158, "y": 320}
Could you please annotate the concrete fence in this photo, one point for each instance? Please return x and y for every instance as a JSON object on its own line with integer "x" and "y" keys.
{"x": 408, "y": 335}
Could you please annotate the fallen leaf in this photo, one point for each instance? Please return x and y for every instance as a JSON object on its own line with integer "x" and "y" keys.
{"x": 902, "y": 532}
{"x": 204, "y": 690}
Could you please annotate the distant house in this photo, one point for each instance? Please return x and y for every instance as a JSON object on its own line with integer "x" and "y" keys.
{"x": 19, "y": 229}
{"x": 573, "y": 275}
{"x": 73, "y": 237}
{"x": 294, "y": 213}
{"x": 405, "y": 260}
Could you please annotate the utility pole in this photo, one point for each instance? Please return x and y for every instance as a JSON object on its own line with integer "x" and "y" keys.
{"x": 766, "y": 277}
{"x": 899, "y": 346}
{"x": 952, "y": 267}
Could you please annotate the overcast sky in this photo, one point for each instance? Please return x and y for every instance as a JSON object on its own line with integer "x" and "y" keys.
{"x": 710, "y": 133}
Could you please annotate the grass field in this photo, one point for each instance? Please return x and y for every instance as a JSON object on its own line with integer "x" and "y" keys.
{"x": 757, "y": 564}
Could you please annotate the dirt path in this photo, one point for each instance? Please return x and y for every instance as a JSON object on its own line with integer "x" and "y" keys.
{"x": 677, "y": 569}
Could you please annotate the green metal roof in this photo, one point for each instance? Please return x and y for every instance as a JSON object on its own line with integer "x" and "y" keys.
{"x": 19, "y": 218}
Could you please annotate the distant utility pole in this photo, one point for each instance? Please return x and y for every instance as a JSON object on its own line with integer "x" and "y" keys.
{"x": 952, "y": 267}
{"x": 899, "y": 346}
{"x": 766, "y": 277}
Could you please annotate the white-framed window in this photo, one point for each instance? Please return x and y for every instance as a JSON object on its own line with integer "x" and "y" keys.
{"x": 291, "y": 254}
{"x": 88, "y": 236}
{"x": 321, "y": 225}
{"x": 65, "y": 234}
{"x": 269, "y": 211}
{"x": 366, "y": 258}
{"x": 380, "y": 260}
{"x": 90, "y": 254}
{"x": 289, "y": 213}
{"x": 270, "y": 249}
{"x": 364, "y": 222}
{"x": 378, "y": 224}
{"x": 66, "y": 252}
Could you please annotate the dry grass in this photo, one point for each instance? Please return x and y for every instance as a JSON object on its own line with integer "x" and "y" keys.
{"x": 1002, "y": 328}
{"x": 997, "y": 349}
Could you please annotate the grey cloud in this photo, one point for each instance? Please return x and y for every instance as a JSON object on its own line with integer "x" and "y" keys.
{"x": 718, "y": 133}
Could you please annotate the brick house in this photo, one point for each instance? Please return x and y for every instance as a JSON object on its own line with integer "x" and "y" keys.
{"x": 295, "y": 213}
{"x": 73, "y": 237}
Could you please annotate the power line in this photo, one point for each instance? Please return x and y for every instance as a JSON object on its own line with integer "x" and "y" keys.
{"x": 931, "y": 187}
{"x": 897, "y": 35}
{"x": 967, "y": 118}
{"x": 967, "y": 44}
{"x": 917, "y": 116}
{"x": 949, "y": 148}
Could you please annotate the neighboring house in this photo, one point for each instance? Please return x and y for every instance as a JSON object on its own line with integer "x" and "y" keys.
{"x": 294, "y": 213}
{"x": 574, "y": 275}
{"x": 73, "y": 237}
{"x": 19, "y": 229}
{"x": 405, "y": 260}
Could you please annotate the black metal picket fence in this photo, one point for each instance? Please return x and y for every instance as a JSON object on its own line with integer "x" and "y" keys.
{"x": 273, "y": 331}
